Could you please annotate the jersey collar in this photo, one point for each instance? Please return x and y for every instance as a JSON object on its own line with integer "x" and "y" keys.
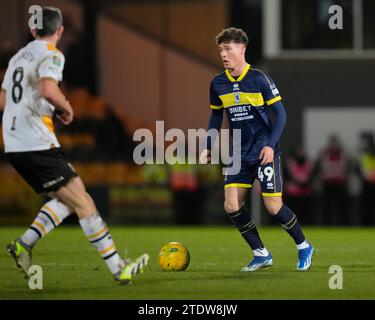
{"x": 243, "y": 74}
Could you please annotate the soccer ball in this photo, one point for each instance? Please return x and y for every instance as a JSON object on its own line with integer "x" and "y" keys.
{"x": 174, "y": 257}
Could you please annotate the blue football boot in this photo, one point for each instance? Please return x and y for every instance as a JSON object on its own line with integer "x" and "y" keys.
{"x": 305, "y": 258}
{"x": 258, "y": 262}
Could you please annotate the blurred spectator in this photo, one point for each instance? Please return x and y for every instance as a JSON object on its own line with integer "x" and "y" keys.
{"x": 76, "y": 73}
{"x": 333, "y": 168}
{"x": 6, "y": 52}
{"x": 187, "y": 194}
{"x": 366, "y": 169}
{"x": 112, "y": 141}
{"x": 121, "y": 141}
{"x": 298, "y": 190}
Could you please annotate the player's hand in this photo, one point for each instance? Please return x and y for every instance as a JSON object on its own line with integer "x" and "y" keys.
{"x": 65, "y": 117}
{"x": 266, "y": 155}
{"x": 205, "y": 157}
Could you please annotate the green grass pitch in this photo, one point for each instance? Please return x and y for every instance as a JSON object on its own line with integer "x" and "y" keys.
{"x": 72, "y": 268}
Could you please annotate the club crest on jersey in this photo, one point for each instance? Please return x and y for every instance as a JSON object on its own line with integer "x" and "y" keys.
{"x": 237, "y": 97}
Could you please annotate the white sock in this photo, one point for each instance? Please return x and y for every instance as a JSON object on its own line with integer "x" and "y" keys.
{"x": 261, "y": 252}
{"x": 97, "y": 233}
{"x": 49, "y": 217}
{"x": 303, "y": 245}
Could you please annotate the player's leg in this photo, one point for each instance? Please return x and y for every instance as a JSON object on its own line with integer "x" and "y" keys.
{"x": 75, "y": 196}
{"x": 285, "y": 216}
{"x": 49, "y": 217}
{"x": 35, "y": 168}
{"x": 49, "y": 172}
{"x": 270, "y": 179}
{"x": 234, "y": 206}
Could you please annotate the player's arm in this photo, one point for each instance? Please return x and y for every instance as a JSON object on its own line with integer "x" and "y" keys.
{"x": 50, "y": 74}
{"x": 2, "y": 99}
{"x": 267, "y": 153}
{"x": 50, "y": 90}
{"x": 279, "y": 124}
{"x": 215, "y": 121}
{"x": 272, "y": 100}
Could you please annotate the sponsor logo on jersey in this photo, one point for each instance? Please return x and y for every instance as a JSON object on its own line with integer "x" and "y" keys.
{"x": 53, "y": 70}
{"x": 56, "y": 61}
{"x": 275, "y": 92}
{"x": 242, "y": 118}
{"x": 240, "y": 109}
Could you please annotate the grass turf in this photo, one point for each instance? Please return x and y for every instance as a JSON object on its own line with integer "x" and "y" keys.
{"x": 72, "y": 268}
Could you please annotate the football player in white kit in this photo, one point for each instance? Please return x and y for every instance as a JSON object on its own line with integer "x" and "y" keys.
{"x": 29, "y": 96}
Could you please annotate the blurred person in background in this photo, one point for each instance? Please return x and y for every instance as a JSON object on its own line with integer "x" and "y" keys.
{"x": 188, "y": 196}
{"x": 332, "y": 168}
{"x": 298, "y": 186}
{"x": 366, "y": 171}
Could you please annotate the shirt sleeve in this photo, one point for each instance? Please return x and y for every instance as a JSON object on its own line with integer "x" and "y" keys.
{"x": 268, "y": 89}
{"x": 52, "y": 66}
{"x": 215, "y": 101}
{"x": 278, "y": 125}
{"x": 214, "y": 123}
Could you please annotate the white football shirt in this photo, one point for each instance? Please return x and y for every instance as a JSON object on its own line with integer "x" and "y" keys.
{"x": 27, "y": 117}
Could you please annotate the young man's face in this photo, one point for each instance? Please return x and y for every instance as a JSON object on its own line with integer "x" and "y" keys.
{"x": 232, "y": 54}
